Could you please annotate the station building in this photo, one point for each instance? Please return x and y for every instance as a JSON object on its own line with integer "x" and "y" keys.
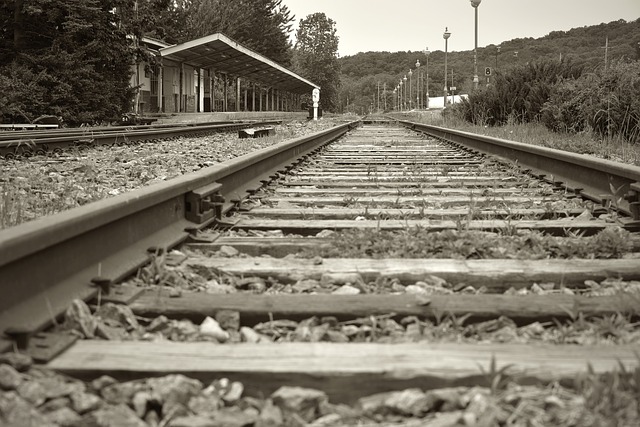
{"x": 214, "y": 73}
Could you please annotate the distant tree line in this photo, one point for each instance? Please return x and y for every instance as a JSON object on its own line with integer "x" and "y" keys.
{"x": 583, "y": 47}
{"x": 73, "y": 58}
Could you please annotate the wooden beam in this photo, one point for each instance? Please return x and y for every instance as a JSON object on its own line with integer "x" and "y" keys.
{"x": 258, "y": 308}
{"x": 374, "y": 213}
{"x": 345, "y": 371}
{"x": 278, "y": 247}
{"x": 495, "y": 274}
{"x": 306, "y": 226}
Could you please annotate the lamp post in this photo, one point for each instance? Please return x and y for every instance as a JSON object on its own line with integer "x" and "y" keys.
{"x": 401, "y": 103}
{"x": 395, "y": 99}
{"x": 426, "y": 52}
{"x": 475, "y": 4}
{"x": 445, "y": 36}
{"x": 410, "y": 88}
{"x": 405, "y": 91}
{"x": 418, "y": 85}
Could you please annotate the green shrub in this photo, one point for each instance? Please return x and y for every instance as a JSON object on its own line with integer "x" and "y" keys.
{"x": 605, "y": 101}
{"x": 517, "y": 96}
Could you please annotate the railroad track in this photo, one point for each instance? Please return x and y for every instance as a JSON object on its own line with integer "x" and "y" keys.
{"x": 29, "y": 143}
{"x": 400, "y": 233}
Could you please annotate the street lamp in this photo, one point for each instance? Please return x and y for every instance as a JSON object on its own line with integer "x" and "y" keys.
{"x": 405, "y": 91}
{"x": 445, "y": 36}
{"x": 475, "y": 4}
{"x": 395, "y": 98}
{"x": 401, "y": 104}
{"x": 418, "y": 85}
{"x": 426, "y": 52}
{"x": 410, "y": 89}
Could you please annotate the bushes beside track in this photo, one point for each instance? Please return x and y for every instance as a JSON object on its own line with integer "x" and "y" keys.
{"x": 562, "y": 96}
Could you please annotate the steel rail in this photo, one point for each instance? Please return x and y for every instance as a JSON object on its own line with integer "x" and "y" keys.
{"x": 599, "y": 180}
{"x": 82, "y": 131}
{"x": 46, "y": 263}
{"x": 41, "y": 143}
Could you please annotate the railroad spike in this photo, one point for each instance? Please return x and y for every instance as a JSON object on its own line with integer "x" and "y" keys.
{"x": 103, "y": 283}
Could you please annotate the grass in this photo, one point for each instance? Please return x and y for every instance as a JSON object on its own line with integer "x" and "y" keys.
{"x": 415, "y": 242}
{"x": 610, "y": 148}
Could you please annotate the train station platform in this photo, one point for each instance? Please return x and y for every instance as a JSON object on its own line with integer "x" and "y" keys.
{"x": 228, "y": 116}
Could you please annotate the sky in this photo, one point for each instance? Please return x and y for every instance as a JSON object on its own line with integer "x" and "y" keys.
{"x": 413, "y": 25}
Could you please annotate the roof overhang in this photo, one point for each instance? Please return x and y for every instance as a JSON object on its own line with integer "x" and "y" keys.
{"x": 224, "y": 55}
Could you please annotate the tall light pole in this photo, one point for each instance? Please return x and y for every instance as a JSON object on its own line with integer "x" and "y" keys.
{"x": 405, "y": 91}
{"x": 445, "y": 36}
{"x": 418, "y": 85}
{"x": 475, "y": 4}
{"x": 401, "y": 104}
{"x": 410, "y": 88}
{"x": 395, "y": 97}
{"x": 426, "y": 52}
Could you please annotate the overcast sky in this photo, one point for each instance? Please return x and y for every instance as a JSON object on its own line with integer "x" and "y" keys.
{"x": 412, "y": 25}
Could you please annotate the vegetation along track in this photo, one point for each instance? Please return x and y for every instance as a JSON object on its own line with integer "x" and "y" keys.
{"x": 386, "y": 260}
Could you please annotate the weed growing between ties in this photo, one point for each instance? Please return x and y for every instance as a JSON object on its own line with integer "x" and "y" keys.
{"x": 613, "y": 242}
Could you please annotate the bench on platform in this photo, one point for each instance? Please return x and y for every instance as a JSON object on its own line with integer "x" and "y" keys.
{"x": 256, "y": 132}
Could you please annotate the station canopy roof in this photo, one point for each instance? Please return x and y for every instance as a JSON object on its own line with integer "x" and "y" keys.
{"x": 222, "y": 54}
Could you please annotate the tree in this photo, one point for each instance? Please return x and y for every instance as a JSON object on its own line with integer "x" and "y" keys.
{"x": 262, "y": 25}
{"x": 316, "y": 57}
{"x": 70, "y": 58}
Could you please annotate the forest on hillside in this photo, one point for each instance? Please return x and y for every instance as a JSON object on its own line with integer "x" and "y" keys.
{"x": 364, "y": 73}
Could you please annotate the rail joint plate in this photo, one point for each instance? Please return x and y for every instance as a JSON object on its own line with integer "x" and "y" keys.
{"x": 204, "y": 203}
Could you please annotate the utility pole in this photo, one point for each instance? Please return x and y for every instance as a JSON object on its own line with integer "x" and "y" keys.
{"x": 606, "y": 48}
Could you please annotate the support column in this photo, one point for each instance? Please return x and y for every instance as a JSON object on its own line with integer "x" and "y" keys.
{"x": 211, "y": 88}
{"x": 273, "y": 99}
{"x": 224, "y": 101}
{"x": 160, "y": 87}
{"x": 279, "y": 107}
{"x": 181, "y": 103}
{"x": 260, "y": 98}
{"x": 237, "y": 94}
{"x": 266, "y": 99}
{"x": 253, "y": 96}
{"x": 200, "y": 90}
{"x": 246, "y": 106}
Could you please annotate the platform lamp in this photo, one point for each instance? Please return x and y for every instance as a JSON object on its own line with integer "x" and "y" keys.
{"x": 395, "y": 98}
{"x": 401, "y": 106}
{"x": 475, "y": 4}
{"x": 418, "y": 84}
{"x": 410, "y": 88}
{"x": 445, "y": 36}
{"x": 426, "y": 52}
{"x": 405, "y": 91}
